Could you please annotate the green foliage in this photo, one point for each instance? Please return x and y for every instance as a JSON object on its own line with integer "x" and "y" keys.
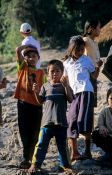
{"x": 9, "y": 30}
{"x": 57, "y": 20}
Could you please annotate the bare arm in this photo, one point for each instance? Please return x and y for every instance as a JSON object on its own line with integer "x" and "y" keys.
{"x": 97, "y": 69}
{"x": 68, "y": 90}
{"x": 96, "y": 73}
{"x": 19, "y": 55}
{"x": 36, "y": 92}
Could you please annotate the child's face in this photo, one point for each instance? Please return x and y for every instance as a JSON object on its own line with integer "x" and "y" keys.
{"x": 54, "y": 73}
{"x": 110, "y": 100}
{"x": 78, "y": 52}
{"x": 32, "y": 58}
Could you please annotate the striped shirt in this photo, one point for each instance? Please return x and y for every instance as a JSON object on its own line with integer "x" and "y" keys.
{"x": 55, "y": 104}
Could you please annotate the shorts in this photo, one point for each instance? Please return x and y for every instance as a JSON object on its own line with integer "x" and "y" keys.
{"x": 80, "y": 114}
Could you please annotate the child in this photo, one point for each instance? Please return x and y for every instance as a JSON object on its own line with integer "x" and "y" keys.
{"x": 3, "y": 83}
{"x": 102, "y": 136}
{"x": 29, "y": 110}
{"x": 91, "y": 31}
{"x": 54, "y": 94}
{"x": 26, "y": 31}
{"x": 78, "y": 69}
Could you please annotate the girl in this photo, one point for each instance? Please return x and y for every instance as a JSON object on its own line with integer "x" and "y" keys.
{"x": 78, "y": 69}
{"x": 102, "y": 136}
{"x": 91, "y": 31}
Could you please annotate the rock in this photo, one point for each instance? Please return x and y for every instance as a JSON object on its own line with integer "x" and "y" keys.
{"x": 11, "y": 146}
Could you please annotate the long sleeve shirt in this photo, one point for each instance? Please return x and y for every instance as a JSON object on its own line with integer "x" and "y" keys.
{"x": 105, "y": 119}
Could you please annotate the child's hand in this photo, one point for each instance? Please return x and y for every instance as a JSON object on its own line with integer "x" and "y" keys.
{"x": 103, "y": 131}
{"x": 99, "y": 63}
{"x": 64, "y": 81}
{"x": 35, "y": 87}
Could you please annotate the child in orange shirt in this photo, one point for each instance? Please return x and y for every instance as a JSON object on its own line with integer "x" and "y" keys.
{"x": 29, "y": 111}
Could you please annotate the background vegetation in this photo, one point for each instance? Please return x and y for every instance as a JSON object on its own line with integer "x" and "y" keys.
{"x": 53, "y": 21}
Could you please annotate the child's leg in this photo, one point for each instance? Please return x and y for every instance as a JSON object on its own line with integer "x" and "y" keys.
{"x": 104, "y": 142}
{"x": 0, "y": 113}
{"x": 61, "y": 140}
{"x": 88, "y": 145}
{"x": 29, "y": 127}
{"x": 72, "y": 130}
{"x": 72, "y": 142}
{"x": 85, "y": 119}
{"x": 41, "y": 149}
{"x": 34, "y": 128}
{"x": 23, "y": 123}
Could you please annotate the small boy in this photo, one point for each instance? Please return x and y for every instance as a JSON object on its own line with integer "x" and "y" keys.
{"x": 54, "y": 94}
{"x": 3, "y": 83}
{"x": 29, "y": 110}
{"x": 26, "y": 31}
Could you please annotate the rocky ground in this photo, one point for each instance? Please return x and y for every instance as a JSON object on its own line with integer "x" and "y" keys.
{"x": 10, "y": 143}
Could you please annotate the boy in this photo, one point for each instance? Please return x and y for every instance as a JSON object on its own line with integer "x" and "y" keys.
{"x": 26, "y": 31}
{"x": 54, "y": 94}
{"x": 29, "y": 110}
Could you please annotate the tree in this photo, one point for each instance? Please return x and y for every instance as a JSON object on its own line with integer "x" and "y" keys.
{"x": 57, "y": 20}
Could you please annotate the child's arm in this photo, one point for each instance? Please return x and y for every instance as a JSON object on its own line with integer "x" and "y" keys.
{"x": 36, "y": 92}
{"x": 97, "y": 69}
{"x": 19, "y": 55}
{"x": 103, "y": 130}
{"x": 68, "y": 90}
{"x": 96, "y": 73}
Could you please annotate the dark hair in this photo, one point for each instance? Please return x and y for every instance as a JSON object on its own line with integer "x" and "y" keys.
{"x": 90, "y": 24}
{"x": 56, "y": 63}
{"x": 30, "y": 49}
{"x": 108, "y": 93}
{"x": 75, "y": 43}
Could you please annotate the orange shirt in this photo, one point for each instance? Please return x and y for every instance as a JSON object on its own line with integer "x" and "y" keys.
{"x": 26, "y": 77}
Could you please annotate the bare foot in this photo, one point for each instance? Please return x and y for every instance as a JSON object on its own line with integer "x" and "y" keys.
{"x": 32, "y": 169}
{"x": 69, "y": 171}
